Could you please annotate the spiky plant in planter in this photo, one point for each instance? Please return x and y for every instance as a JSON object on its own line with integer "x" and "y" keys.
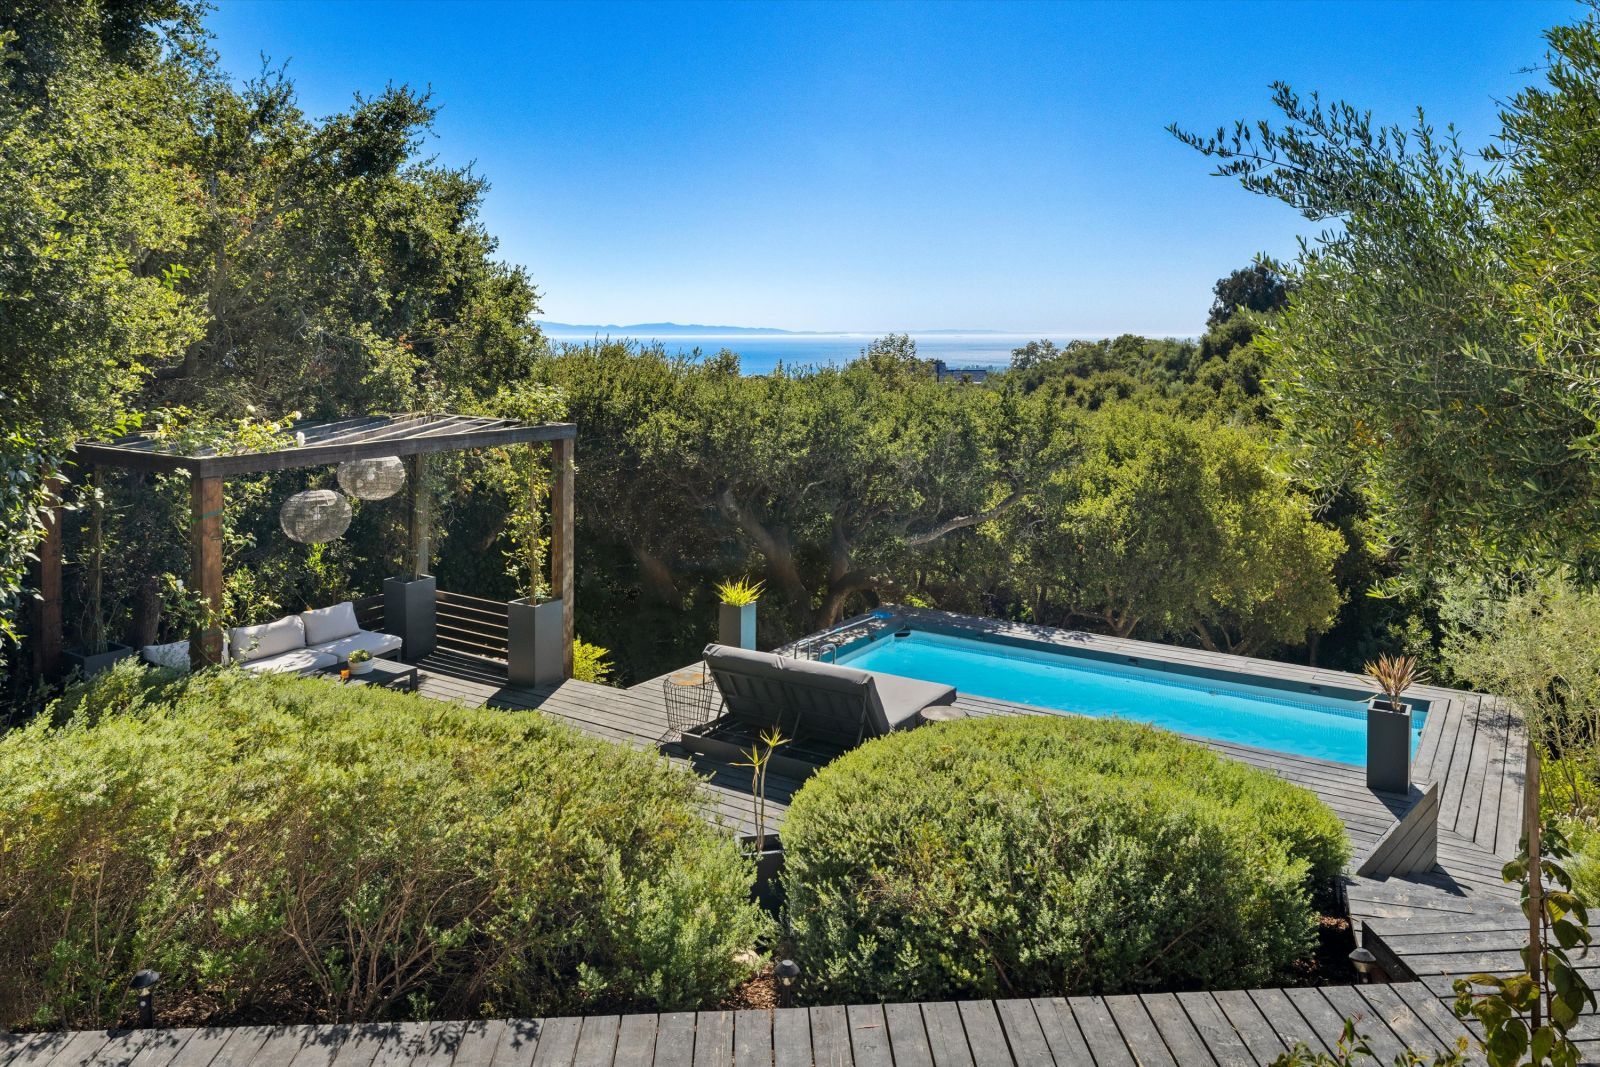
{"x": 1394, "y": 675}
{"x": 736, "y": 617}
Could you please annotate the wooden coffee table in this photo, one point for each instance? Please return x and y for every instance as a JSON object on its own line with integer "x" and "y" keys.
{"x": 385, "y": 673}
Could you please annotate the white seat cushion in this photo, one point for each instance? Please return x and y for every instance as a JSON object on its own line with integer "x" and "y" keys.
{"x": 269, "y": 639}
{"x": 174, "y": 655}
{"x": 330, "y": 624}
{"x": 295, "y": 661}
{"x": 376, "y": 643}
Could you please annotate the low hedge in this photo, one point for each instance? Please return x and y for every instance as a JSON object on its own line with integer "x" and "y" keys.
{"x": 287, "y": 849}
{"x": 1049, "y": 855}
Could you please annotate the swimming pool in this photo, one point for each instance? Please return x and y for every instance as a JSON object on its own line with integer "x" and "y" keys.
{"x": 1284, "y": 719}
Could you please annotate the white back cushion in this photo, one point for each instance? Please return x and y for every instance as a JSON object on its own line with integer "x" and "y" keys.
{"x": 268, "y": 639}
{"x": 330, "y": 624}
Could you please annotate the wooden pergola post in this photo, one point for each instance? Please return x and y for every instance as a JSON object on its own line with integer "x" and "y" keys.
{"x": 419, "y": 517}
{"x": 205, "y": 572}
{"x": 562, "y": 583}
{"x": 47, "y": 609}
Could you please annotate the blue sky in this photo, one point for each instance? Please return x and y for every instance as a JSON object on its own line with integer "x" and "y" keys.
{"x": 871, "y": 166}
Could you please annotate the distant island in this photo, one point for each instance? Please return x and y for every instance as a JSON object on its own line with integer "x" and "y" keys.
{"x": 677, "y": 329}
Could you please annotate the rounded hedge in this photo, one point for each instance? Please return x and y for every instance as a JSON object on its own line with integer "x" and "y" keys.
{"x": 1049, "y": 855}
{"x": 289, "y": 849}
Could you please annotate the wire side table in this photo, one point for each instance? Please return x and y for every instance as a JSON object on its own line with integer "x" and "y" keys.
{"x": 689, "y": 695}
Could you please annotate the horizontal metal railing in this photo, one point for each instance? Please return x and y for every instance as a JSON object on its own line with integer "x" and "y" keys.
{"x": 472, "y": 625}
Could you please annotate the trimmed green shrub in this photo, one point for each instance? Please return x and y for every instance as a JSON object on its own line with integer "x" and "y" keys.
{"x": 1038, "y": 855}
{"x": 284, "y": 848}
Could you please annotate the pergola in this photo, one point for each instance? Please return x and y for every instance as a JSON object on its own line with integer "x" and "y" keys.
{"x": 412, "y": 437}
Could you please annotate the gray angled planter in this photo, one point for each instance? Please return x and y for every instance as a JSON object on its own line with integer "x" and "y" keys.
{"x": 736, "y": 625}
{"x": 534, "y": 652}
{"x": 1388, "y": 746}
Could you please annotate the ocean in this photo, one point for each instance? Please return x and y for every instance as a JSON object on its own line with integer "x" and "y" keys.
{"x": 759, "y": 353}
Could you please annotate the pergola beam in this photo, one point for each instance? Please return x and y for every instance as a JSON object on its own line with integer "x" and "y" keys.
{"x": 401, "y": 437}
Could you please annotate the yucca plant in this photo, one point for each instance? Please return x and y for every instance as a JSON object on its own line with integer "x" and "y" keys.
{"x": 758, "y": 757}
{"x": 740, "y": 591}
{"x": 1394, "y": 675}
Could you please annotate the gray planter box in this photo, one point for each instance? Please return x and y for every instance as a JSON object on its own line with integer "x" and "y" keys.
{"x": 768, "y": 887}
{"x": 411, "y": 613}
{"x": 534, "y": 655}
{"x": 736, "y": 625}
{"x": 90, "y": 664}
{"x": 1388, "y": 746}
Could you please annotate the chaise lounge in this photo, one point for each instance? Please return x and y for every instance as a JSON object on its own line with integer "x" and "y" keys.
{"x": 824, "y": 709}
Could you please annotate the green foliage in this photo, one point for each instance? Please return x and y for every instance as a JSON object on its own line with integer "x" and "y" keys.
{"x": 590, "y": 663}
{"x": 1175, "y": 527}
{"x": 1437, "y": 352}
{"x": 1528, "y": 1017}
{"x": 1536, "y": 648}
{"x": 96, "y": 215}
{"x": 1257, "y": 288}
{"x": 286, "y": 848}
{"x": 739, "y": 592}
{"x": 1352, "y": 1047}
{"x": 1049, "y": 855}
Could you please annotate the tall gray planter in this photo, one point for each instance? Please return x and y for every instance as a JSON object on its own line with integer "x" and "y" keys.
{"x": 411, "y": 613}
{"x": 736, "y": 625}
{"x": 1388, "y": 747}
{"x": 534, "y": 654}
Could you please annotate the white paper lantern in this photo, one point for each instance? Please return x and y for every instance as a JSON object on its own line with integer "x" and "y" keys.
{"x": 315, "y": 516}
{"x": 372, "y": 479}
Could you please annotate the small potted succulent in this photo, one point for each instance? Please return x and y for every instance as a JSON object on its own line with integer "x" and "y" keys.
{"x": 1389, "y": 723}
{"x": 736, "y": 616}
{"x": 360, "y": 661}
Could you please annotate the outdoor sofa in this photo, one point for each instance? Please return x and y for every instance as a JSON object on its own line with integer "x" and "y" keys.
{"x": 822, "y": 708}
{"x": 299, "y": 644}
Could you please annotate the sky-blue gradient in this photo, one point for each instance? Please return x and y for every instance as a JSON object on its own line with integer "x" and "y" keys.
{"x": 882, "y": 166}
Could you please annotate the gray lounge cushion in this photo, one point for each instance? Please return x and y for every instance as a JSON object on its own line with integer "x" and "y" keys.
{"x": 295, "y": 661}
{"x": 904, "y": 698}
{"x": 368, "y": 640}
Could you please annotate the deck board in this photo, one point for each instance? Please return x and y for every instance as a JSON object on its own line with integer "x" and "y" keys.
{"x": 1238, "y": 1028}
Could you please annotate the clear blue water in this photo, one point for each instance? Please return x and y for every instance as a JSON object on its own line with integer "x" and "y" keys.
{"x": 759, "y": 353}
{"x": 1306, "y": 724}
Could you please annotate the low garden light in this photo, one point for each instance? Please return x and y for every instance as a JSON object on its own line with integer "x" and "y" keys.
{"x": 1365, "y": 963}
{"x": 787, "y": 971}
{"x": 144, "y": 983}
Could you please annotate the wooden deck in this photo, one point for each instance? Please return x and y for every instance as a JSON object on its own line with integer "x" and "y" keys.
{"x": 1243, "y": 1028}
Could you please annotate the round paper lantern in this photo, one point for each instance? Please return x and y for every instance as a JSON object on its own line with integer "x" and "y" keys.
{"x": 315, "y": 516}
{"x": 372, "y": 479}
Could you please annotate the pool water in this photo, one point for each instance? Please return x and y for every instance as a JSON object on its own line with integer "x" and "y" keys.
{"x": 1303, "y": 723}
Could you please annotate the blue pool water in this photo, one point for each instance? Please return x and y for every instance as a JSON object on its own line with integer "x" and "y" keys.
{"x": 1307, "y": 724}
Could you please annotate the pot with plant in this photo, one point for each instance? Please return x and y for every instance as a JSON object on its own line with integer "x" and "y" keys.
{"x": 1389, "y": 723}
{"x": 736, "y": 615}
{"x": 360, "y": 662}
